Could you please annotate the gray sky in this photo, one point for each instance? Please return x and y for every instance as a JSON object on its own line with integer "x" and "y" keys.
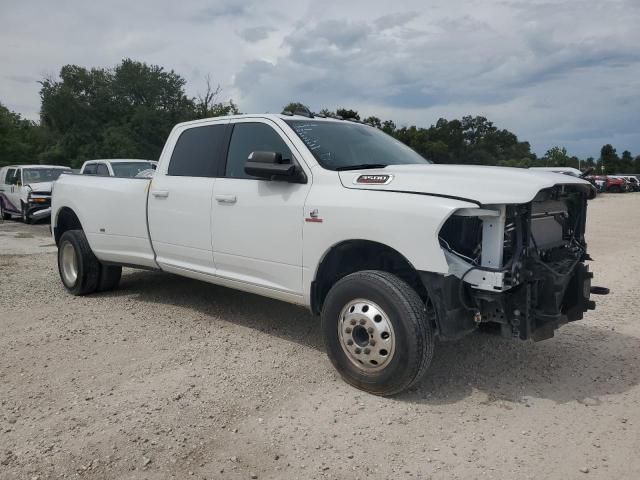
{"x": 555, "y": 72}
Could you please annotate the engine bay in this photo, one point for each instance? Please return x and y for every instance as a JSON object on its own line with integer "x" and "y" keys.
{"x": 518, "y": 266}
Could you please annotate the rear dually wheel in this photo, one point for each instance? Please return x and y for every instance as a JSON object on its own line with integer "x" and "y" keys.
{"x": 78, "y": 267}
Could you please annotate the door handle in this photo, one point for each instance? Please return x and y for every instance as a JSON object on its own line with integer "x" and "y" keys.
{"x": 160, "y": 193}
{"x": 226, "y": 198}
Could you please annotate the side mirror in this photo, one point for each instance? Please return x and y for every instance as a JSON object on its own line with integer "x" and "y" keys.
{"x": 271, "y": 166}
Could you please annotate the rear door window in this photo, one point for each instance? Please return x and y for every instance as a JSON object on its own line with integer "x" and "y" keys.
{"x": 198, "y": 152}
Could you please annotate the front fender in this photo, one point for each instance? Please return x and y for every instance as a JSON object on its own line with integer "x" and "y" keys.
{"x": 408, "y": 223}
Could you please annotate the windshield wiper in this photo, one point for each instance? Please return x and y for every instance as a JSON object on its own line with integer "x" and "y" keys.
{"x": 362, "y": 166}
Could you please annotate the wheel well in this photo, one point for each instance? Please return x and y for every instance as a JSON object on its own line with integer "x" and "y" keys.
{"x": 356, "y": 255}
{"x": 67, "y": 220}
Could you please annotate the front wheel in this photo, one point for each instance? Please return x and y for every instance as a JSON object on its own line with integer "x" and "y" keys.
{"x": 25, "y": 213}
{"x": 377, "y": 332}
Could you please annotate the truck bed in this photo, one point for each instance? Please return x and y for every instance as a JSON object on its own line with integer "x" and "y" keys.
{"x": 113, "y": 214}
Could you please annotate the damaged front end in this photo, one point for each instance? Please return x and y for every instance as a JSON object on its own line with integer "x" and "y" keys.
{"x": 519, "y": 267}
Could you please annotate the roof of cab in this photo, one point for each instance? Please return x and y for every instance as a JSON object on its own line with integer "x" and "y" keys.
{"x": 270, "y": 116}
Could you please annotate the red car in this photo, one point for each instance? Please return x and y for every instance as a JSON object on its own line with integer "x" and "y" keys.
{"x": 609, "y": 184}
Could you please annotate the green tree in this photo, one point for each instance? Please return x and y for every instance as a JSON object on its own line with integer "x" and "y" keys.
{"x": 556, "y": 157}
{"x": 373, "y": 120}
{"x": 626, "y": 162}
{"x": 388, "y": 127}
{"x": 20, "y": 140}
{"x": 347, "y": 114}
{"x": 207, "y": 104}
{"x": 609, "y": 159}
{"x": 293, "y": 107}
{"x": 126, "y": 111}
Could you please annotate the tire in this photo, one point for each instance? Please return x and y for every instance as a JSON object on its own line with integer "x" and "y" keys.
{"x": 390, "y": 304}
{"x": 3, "y": 214}
{"x": 615, "y": 189}
{"x": 78, "y": 267}
{"x": 109, "y": 277}
{"x": 24, "y": 214}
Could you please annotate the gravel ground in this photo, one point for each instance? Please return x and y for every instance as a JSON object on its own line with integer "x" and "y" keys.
{"x": 170, "y": 377}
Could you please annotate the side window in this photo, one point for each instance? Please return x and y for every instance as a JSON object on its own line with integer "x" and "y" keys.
{"x": 9, "y": 178}
{"x": 89, "y": 169}
{"x": 102, "y": 170}
{"x": 197, "y": 151}
{"x": 252, "y": 137}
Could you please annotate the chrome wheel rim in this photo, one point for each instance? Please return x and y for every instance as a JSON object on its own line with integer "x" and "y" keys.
{"x": 69, "y": 264}
{"x": 366, "y": 335}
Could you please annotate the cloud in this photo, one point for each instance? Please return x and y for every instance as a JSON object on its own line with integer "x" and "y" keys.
{"x": 21, "y": 78}
{"x": 396, "y": 19}
{"x": 255, "y": 34}
{"x": 221, "y": 10}
{"x": 555, "y": 73}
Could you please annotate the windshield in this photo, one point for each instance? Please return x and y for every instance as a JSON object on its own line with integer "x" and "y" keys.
{"x": 35, "y": 175}
{"x": 344, "y": 145}
{"x": 130, "y": 169}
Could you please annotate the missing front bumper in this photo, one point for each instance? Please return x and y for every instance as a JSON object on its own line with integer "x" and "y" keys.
{"x": 534, "y": 309}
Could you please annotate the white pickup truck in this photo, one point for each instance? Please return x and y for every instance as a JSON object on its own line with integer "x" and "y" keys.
{"x": 117, "y": 167}
{"x": 390, "y": 250}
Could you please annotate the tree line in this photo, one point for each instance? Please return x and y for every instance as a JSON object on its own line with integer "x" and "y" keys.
{"x": 127, "y": 112}
{"x": 122, "y": 112}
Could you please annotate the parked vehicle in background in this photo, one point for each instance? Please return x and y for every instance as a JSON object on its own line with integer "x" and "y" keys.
{"x": 616, "y": 185}
{"x": 121, "y": 167}
{"x": 599, "y": 182}
{"x": 389, "y": 249}
{"x": 25, "y": 190}
{"x": 149, "y": 173}
{"x": 607, "y": 183}
{"x": 574, "y": 172}
{"x": 633, "y": 185}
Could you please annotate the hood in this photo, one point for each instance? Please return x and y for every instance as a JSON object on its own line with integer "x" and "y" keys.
{"x": 44, "y": 187}
{"x": 482, "y": 184}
